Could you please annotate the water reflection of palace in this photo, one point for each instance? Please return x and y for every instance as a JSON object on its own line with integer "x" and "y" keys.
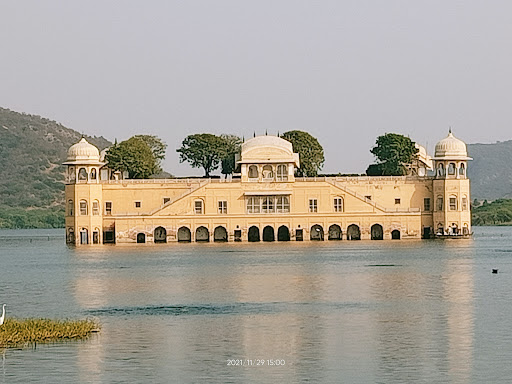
{"x": 267, "y": 202}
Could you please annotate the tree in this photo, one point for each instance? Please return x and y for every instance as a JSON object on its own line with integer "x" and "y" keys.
{"x": 311, "y": 153}
{"x": 157, "y": 146}
{"x": 203, "y": 151}
{"x": 393, "y": 153}
{"x": 232, "y": 145}
{"x": 133, "y": 156}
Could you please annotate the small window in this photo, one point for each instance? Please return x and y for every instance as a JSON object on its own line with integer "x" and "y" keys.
{"x": 464, "y": 203}
{"x": 397, "y": 201}
{"x": 462, "y": 170}
{"x": 338, "y": 204}
{"x": 439, "y": 204}
{"x": 451, "y": 169}
{"x": 83, "y": 207}
{"x": 313, "y": 205}
{"x": 70, "y": 207}
{"x": 166, "y": 200}
{"x": 223, "y": 207}
{"x": 82, "y": 174}
{"x": 198, "y": 207}
{"x": 440, "y": 170}
{"x": 253, "y": 205}
{"x": 283, "y": 204}
{"x": 426, "y": 204}
{"x": 268, "y": 173}
{"x": 95, "y": 208}
{"x": 368, "y": 197}
{"x": 268, "y": 204}
{"x": 253, "y": 172}
{"x": 108, "y": 208}
{"x": 453, "y": 203}
{"x": 138, "y": 204}
{"x": 282, "y": 172}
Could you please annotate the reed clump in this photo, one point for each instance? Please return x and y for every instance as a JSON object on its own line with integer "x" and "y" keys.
{"x": 16, "y": 332}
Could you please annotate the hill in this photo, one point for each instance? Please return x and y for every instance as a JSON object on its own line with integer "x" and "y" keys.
{"x": 499, "y": 212}
{"x": 32, "y": 150}
{"x": 491, "y": 170}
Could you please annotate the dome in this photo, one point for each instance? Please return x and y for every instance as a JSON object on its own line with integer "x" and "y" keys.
{"x": 268, "y": 149}
{"x": 83, "y": 152}
{"x": 451, "y": 148}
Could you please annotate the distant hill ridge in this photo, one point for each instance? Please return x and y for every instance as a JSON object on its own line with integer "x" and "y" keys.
{"x": 491, "y": 170}
{"x": 32, "y": 150}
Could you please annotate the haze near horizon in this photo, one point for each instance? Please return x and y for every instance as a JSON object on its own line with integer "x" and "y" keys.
{"x": 344, "y": 71}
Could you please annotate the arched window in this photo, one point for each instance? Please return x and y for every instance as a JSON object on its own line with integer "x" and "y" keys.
{"x": 95, "y": 207}
{"x": 83, "y": 207}
{"x": 439, "y": 203}
{"x": 464, "y": 203}
{"x": 198, "y": 207}
{"x": 253, "y": 172}
{"x": 283, "y": 204}
{"x": 70, "y": 207}
{"x": 451, "y": 169}
{"x": 462, "y": 170}
{"x": 72, "y": 175}
{"x": 82, "y": 174}
{"x": 338, "y": 204}
{"x": 268, "y": 173}
{"x": 282, "y": 172}
{"x": 440, "y": 170}
{"x": 453, "y": 203}
{"x": 93, "y": 174}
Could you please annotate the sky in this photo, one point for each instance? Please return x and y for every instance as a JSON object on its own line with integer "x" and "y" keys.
{"x": 344, "y": 71}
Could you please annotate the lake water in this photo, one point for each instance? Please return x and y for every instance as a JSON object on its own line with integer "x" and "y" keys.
{"x": 330, "y": 312}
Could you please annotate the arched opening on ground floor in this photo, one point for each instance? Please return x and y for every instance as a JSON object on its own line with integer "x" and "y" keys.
{"x": 220, "y": 234}
{"x": 317, "y": 232}
{"x": 141, "y": 238}
{"x": 184, "y": 235}
{"x": 160, "y": 235}
{"x": 283, "y": 233}
{"x": 268, "y": 233}
{"x": 84, "y": 236}
{"x": 202, "y": 235}
{"x": 335, "y": 232}
{"x": 395, "y": 234}
{"x": 96, "y": 236}
{"x": 377, "y": 232}
{"x": 353, "y": 232}
{"x": 254, "y": 234}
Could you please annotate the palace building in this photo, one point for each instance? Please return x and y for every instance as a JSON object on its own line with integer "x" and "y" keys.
{"x": 267, "y": 202}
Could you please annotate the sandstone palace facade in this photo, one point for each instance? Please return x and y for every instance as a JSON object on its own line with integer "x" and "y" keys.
{"x": 267, "y": 202}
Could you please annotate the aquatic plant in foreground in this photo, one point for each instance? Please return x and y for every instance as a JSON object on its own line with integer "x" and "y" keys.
{"x": 16, "y": 332}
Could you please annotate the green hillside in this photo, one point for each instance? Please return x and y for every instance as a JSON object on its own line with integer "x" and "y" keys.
{"x": 499, "y": 212}
{"x": 32, "y": 150}
{"x": 491, "y": 170}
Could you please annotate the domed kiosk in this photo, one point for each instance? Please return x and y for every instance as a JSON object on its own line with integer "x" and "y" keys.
{"x": 268, "y": 159}
{"x": 452, "y": 215}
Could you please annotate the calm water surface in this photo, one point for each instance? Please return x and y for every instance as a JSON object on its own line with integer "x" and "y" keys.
{"x": 335, "y": 312}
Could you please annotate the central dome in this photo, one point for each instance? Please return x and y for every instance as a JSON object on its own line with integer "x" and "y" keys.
{"x": 83, "y": 152}
{"x": 451, "y": 148}
{"x": 268, "y": 149}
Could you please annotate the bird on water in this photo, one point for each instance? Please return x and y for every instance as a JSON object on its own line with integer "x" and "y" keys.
{"x": 3, "y": 315}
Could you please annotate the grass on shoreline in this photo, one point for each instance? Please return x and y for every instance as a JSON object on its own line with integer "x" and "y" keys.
{"x": 18, "y": 332}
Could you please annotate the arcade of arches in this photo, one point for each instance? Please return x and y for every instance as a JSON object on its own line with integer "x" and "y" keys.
{"x": 268, "y": 233}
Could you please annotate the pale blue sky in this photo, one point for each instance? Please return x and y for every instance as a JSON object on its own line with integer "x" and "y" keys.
{"x": 345, "y": 71}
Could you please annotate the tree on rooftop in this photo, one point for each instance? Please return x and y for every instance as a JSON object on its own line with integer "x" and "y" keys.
{"x": 157, "y": 146}
{"x": 133, "y": 156}
{"x": 232, "y": 145}
{"x": 311, "y": 153}
{"x": 203, "y": 151}
{"x": 393, "y": 152}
